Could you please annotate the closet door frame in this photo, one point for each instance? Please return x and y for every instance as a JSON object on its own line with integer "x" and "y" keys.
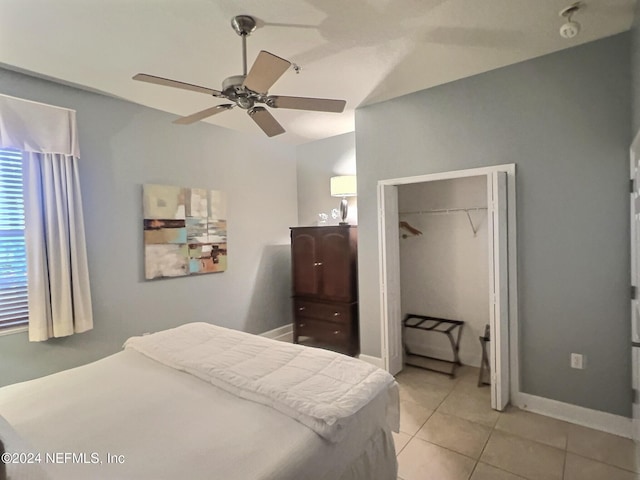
{"x": 389, "y": 258}
{"x": 634, "y": 209}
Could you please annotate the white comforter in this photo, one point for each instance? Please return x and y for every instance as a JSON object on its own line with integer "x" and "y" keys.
{"x": 166, "y": 424}
{"x": 320, "y": 389}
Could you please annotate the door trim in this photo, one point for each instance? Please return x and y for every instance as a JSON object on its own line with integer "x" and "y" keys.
{"x": 388, "y": 237}
{"x": 634, "y": 159}
{"x": 386, "y": 287}
{"x": 498, "y": 286}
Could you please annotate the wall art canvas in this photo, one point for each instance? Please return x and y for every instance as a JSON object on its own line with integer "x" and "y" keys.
{"x": 185, "y": 231}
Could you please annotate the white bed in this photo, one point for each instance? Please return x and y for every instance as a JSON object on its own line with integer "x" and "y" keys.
{"x": 157, "y": 421}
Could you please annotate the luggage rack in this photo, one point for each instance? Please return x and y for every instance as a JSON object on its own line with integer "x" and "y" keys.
{"x": 451, "y": 328}
{"x": 485, "y": 367}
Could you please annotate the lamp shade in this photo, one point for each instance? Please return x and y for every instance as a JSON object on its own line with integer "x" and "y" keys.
{"x": 344, "y": 186}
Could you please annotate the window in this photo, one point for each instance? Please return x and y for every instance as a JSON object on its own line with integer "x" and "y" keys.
{"x": 14, "y": 309}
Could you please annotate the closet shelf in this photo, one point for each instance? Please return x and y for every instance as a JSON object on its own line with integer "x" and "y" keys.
{"x": 445, "y": 211}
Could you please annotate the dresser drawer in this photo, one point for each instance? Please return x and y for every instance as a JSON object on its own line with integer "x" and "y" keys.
{"x": 338, "y": 313}
{"x": 329, "y": 332}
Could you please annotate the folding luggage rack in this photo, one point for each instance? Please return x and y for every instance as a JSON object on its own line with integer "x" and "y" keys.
{"x": 451, "y": 328}
{"x": 485, "y": 367}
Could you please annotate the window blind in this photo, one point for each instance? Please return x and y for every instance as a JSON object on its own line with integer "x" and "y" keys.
{"x": 14, "y": 309}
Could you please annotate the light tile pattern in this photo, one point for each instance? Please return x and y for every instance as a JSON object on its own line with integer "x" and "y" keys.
{"x": 420, "y": 459}
{"x": 604, "y": 447}
{"x": 449, "y": 431}
{"x": 400, "y": 441}
{"x": 526, "y": 458}
{"x": 456, "y": 434}
{"x": 580, "y": 468}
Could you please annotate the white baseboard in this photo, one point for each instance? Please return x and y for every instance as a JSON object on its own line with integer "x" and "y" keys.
{"x": 606, "y": 422}
{"x": 377, "y": 361}
{"x": 276, "y": 333}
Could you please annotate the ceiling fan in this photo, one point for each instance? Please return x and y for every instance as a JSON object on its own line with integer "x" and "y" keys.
{"x": 249, "y": 91}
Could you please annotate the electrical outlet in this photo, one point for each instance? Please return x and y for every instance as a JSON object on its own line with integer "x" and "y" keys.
{"x": 578, "y": 361}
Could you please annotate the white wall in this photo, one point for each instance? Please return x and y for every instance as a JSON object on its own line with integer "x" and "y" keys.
{"x": 444, "y": 272}
{"x": 317, "y": 162}
{"x": 123, "y": 146}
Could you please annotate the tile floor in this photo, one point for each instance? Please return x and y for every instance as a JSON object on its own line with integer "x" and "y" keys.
{"x": 449, "y": 432}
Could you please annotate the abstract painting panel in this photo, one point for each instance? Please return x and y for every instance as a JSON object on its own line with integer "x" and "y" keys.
{"x": 164, "y": 202}
{"x": 185, "y": 231}
{"x": 165, "y": 261}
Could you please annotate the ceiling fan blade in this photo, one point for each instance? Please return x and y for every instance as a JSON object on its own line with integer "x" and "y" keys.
{"x": 304, "y": 103}
{"x": 143, "y": 77}
{"x": 265, "y": 121}
{"x": 265, "y": 71}
{"x": 203, "y": 114}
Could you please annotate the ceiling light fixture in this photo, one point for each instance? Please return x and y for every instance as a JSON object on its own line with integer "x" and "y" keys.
{"x": 571, "y": 28}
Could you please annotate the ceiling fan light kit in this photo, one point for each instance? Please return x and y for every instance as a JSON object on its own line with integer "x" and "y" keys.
{"x": 571, "y": 28}
{"x": 249, "y": 91}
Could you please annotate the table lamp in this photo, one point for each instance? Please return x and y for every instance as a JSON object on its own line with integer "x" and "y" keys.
{"x": 344, "y": 186}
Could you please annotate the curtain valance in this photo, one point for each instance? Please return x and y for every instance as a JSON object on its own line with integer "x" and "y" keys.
{"x": 59, "y": 296}
{"x": 38, "y": 128}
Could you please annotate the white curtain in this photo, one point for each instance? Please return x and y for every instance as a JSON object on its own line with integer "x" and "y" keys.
{"x": 57, "y": 267}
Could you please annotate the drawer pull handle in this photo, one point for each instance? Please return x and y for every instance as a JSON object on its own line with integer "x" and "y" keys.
{"x": 336, "y": 314}
{"x": 302, "y": 324}
{"x": 301, "y": 308}
{"x": 336, "y": 332}
{"x": 317, "y": 264}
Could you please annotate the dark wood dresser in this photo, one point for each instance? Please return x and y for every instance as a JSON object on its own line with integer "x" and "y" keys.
{"x": 325, "y": 287}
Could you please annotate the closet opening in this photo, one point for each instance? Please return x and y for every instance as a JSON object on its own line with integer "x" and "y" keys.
{"x": 448, "y": 275}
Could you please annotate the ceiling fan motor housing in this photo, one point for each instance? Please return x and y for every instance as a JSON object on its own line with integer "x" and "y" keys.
{"x": 233, "y": 84}
{"x": 233, "y": 89}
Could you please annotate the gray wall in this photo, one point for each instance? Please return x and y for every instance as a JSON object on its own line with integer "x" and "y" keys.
{"x": 564, "y": 120}
{"x": 123, "y": 146}
{"x": 317, "y": 162}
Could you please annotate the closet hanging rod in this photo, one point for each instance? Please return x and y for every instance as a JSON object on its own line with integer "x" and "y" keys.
{"x": 444, "y": 210}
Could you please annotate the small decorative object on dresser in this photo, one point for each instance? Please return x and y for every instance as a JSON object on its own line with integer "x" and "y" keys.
{"x": 325, "y": 287}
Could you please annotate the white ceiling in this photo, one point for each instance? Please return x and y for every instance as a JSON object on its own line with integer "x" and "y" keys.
{"x": 364, "y": 51}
